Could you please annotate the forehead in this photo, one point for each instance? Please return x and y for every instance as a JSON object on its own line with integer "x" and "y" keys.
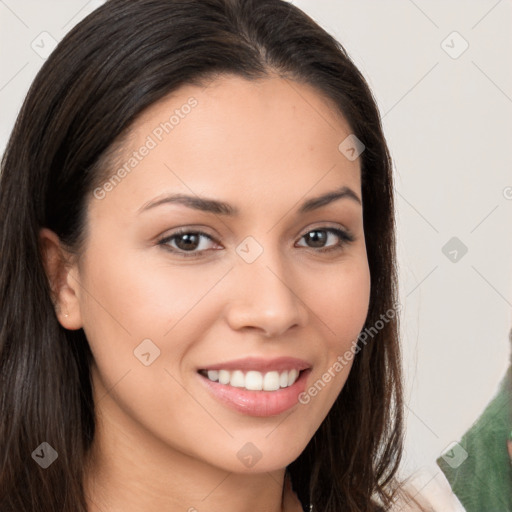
{"x": 271, "y": 138}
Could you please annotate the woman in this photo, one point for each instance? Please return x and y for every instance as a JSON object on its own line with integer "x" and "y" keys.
{"x": 198, "y": 270}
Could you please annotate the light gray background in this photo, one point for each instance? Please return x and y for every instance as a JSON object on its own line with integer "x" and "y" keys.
{"x": 448, "y": 122}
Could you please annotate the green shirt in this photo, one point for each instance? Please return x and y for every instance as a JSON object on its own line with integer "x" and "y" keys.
{"x": 483, "y": 481}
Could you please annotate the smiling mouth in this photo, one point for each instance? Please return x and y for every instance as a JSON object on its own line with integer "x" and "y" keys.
{"x": 256, "y": 393}
{"x": 254, "y": 380}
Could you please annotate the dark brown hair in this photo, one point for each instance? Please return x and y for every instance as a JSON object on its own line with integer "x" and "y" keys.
{"x": 119, "y": 60}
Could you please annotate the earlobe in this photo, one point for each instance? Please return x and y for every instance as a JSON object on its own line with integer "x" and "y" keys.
{"x": 63, "y": 286}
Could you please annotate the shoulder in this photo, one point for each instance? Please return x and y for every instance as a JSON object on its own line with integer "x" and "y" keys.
{"x": 427, "y": 490}
{"x": 478, "y": 468}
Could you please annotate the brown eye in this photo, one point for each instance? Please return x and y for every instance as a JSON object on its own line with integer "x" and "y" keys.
{"x": 186, "y": 242}
{"x": 317, "y": 238}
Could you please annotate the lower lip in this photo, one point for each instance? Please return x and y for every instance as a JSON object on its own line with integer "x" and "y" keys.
{"x": 258, "y": 403}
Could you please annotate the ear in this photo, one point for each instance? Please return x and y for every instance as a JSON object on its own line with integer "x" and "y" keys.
{"x": 63, "y": 278}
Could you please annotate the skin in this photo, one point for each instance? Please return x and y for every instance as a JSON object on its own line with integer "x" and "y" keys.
{"x": 163, "y": 442}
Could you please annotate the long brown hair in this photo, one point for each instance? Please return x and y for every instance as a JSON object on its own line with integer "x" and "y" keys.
{"x": 119, "y": 60}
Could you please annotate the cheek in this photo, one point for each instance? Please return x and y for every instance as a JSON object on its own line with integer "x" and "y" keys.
{"x": 130, "y": 299}
{"x": 341, "y": 308}
{"x": 342, "y": 303}
{"x": 136, "y": 306}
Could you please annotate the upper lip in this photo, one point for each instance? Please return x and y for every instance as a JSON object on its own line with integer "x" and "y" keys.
{"x": 279, "y": 364}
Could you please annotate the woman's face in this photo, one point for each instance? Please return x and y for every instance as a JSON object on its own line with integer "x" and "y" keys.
{"x": 253, "y": 299}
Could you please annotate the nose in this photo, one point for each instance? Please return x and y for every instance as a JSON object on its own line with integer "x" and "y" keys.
{"x": 264, "y": 298}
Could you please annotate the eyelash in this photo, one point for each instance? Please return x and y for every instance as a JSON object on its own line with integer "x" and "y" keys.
{"x": 344, "y": 236}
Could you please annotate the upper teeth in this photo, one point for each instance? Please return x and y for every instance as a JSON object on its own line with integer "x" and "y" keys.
{"x": 253, "y": 380}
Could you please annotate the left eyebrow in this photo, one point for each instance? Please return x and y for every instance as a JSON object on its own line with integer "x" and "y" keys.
{"x": 317, "y": 202}
{"x": 222, "y": 208}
